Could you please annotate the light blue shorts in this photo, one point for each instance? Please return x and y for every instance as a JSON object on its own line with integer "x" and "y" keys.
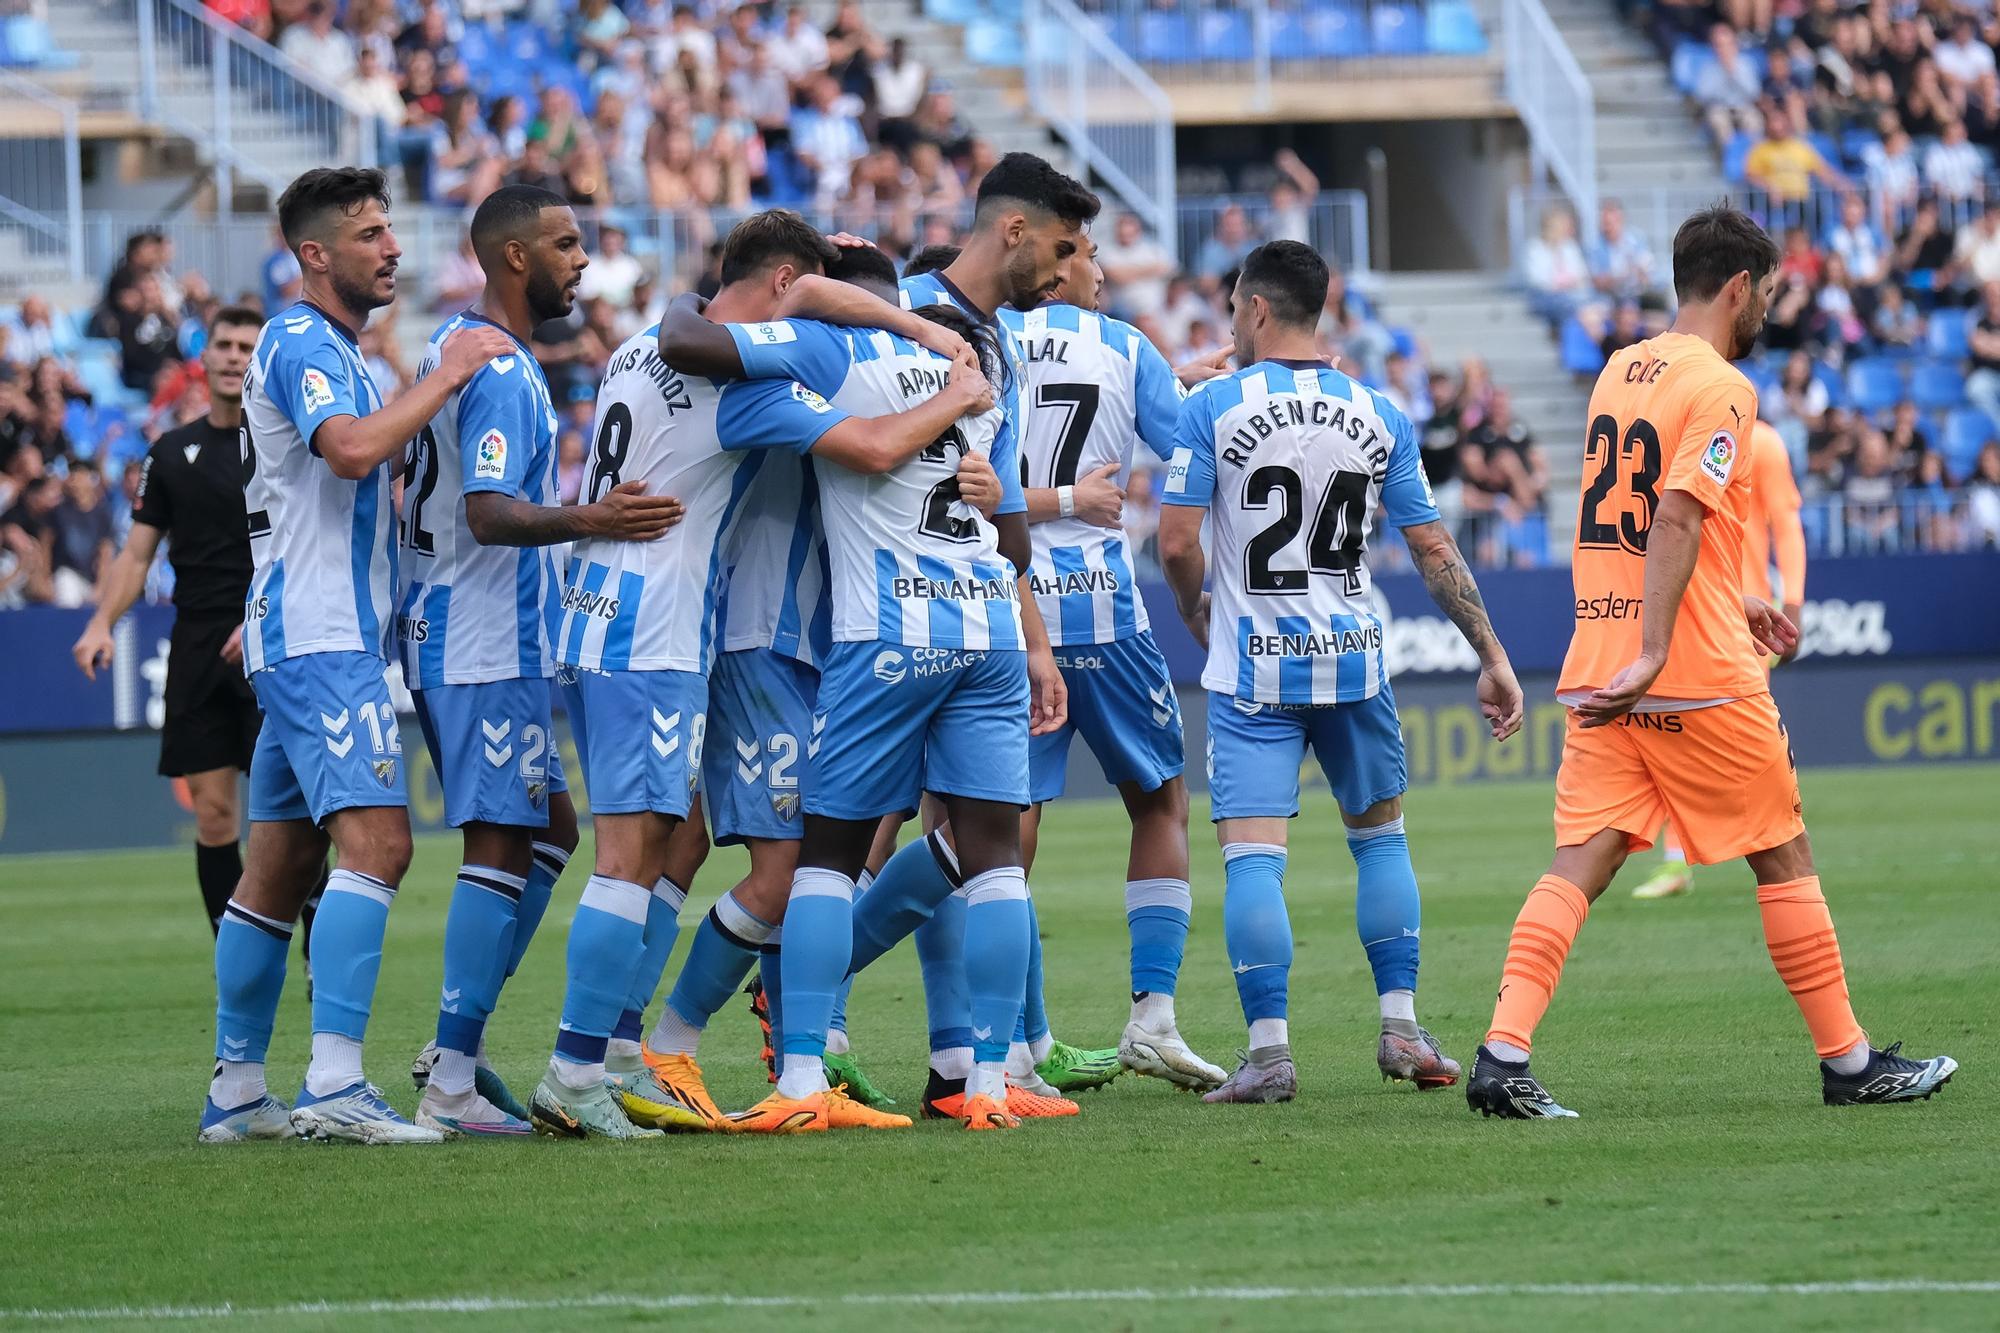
{"x": 639, "y": 735}
{"x": 1255, "y": 752}
{"x": 760, "y": 732}
{"x": 493, "y": 744}
{"x": 1122, "y": 702}
{"x": 329, "y": 741}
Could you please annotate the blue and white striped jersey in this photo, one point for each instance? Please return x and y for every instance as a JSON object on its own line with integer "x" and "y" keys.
{"x": 470, "y": 613}
{"x": 775, "y": 566}
{"x": 1095, "y": 386}
{"x": 651, "y": 606}
{"x": 1293, "y": 460}
{"x": 322, "y": 550}
{"x": 935, "y": 289}
{"x": 910, "y": 562}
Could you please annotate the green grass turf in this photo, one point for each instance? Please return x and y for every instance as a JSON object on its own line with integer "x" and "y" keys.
{"x": 1703, "y": 1156}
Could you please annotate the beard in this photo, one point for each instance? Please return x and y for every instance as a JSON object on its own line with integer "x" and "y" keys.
{"x": 1025, "y": 290}
{"x": 359, "y": 294}
{"x": 549, "y": 297}
{"x": 1743, "y": 337}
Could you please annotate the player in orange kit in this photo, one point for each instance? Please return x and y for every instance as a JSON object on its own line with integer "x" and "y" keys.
{"x": 1774, "y": 533}
{"x": 1670, "y": 712}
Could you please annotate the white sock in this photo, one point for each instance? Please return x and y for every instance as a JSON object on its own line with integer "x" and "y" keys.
{"x": 452, "y": 1074}
{"x": 575, "y": 1077}
{"x": 622, "y": 1049}
{"x": 1506, "y": 1050}
{"x": 1853, "y": 1062}
{"x": 1269, "y": 1032}
{"x": 802, "y": 1076}
{"x": 987, "y": 1079}
{"x": 836, "y": 1042}
{"x": 1041, "y": 1046}
{"x": 1399, "y": 1004}
{"x": 1154, "y": 1011}
{"x": 238, "y": 1082}
{"x": 952, "y": 1062}
{"x": 674, "y": 1035}
{"x": 1021, "y": 1061}
{"x": 336, "y": 1063}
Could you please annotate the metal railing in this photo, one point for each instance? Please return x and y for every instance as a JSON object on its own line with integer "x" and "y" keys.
{"x": 1107, "y": 109}
{"x": 41, "y": 184}
{"x": 1915, "y": 520}
{"x": 1553, "y": 98}
{"x": 249, "y": 108}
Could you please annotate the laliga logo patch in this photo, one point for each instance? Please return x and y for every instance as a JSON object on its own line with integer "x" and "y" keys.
{"x": 1177, "y": 471}
{"x": 769, "y": 335}
{"x": 889, "y": 668}
{"x": 1719, "y": 459}
{"x": 492, "y": 460}
{"x": 317, "y": 392}
{"x": 810, "y": 399}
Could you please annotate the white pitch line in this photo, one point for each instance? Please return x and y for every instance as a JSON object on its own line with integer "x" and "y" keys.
{"x": 472, "y": 1305}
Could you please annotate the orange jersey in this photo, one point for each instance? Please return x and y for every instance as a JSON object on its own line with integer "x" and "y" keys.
{"x": 1667, "y": 414}
{"x": 1774, "y": 520}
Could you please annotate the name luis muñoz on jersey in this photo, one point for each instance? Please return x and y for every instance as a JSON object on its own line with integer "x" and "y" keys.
{"x": 322, "y": 550}
{"x": 1095, "y": 387}
{"x": 1293, "y": 460}
{"x": 471, "y": 613}
{"x": 651, "y": 606}
{"x": 910, "y": 562}
{"x": 775, "y": 566}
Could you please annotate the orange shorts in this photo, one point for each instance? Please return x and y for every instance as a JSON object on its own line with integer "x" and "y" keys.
{"x": 1723, "y": 775}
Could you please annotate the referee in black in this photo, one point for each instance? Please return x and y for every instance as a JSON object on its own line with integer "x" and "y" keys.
{"x": 191, "y": 492}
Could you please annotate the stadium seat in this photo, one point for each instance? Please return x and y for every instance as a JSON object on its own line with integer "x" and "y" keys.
{"x": 992, "y": 43}
{"x": 527, "y": 42}
{"x": 475, "y": 46}
{"x": 1734, "y": 154}
{"x": 1874, "y": 385}
{"x": 952, "y": 11}
{"x": 1396, "y": 30}
{"x": 1938, "y": 385}
{"x": 1452, "y": 29}
{"x": 1686, "y": 64}
{"x": 1335, "y": 31}
{"x": 1580, "y": 353}
{"x": 1832, "y": 381}
{"x": 1165, "y": 39}
{"x": 1855, "y": 143}
{"x": 1224, "y": 35}
{"x": 1965, "y": 433}
{"x": 1946, "y": 334}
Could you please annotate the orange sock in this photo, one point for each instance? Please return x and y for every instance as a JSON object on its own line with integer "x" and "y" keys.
{"x": 1543, "y": 932}
{"x": 1798, "y": 930}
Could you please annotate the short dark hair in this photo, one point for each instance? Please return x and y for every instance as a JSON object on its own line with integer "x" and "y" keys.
{"x": 863, "y": 265}
{"x": 932, "y": 258}
{"x": 304, "y": 206}
{"x": 774, "y": 236}
{"x": 510, "y": 213}
{"x": 1290, "y": 276}
{"x": 1023, "y": 178}
{"x": 235, "y": 316}
{"x": 1714, "y": 246}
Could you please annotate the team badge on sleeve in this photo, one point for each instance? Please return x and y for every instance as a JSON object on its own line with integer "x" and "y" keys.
{"x": 317, "y": 392}
{"x": 810, "y": 399}
{"x": 491, "y": 462}
{"x": 1719, "y": 459}
{"x": 1177, "y": 471}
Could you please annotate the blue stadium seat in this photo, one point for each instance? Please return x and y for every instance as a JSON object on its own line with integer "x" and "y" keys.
{"x": 1946, "y": 334}
{"x": 1335, "y": 31}
{"x": 1855, "y": 143}
{"x": 527, "y": 42}
{"x": 952, "y": 11}
{"x": 1580, "y": 353}
{"x": 1452, "y": 29}
{"x": 1874, "y": 385}
{"x": 992, "y": 43}
{"x": 1965, "y": 433}
{"x": 1403, "y": 341}
{"x": 1685, "y": 65}
{"x": 1165, "y": 39}
{"x": 1223, "y": 35}
{"x": 1734, "y": 154}
{"x": 1397, "y": 30}
{"x": 475, "y": 46}
{"x": 1938, "y": 385}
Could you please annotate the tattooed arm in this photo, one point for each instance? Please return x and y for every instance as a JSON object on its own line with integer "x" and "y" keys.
{"x": 1451, "y": 586}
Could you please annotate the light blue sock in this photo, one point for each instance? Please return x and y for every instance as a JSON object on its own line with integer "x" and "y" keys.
{"x": 250, "y": 953}
{"x": 606, "y": 939}
{"x": 1255, "y": 926}
{"x": 663, "y": 927}
{"x": 838, "y": 1023}
{"x": 1156, "y": 917}
{"x": 911, "y": 889}
{"x": 478, "y": 941}
{"x": 997, "y": 921}
{"x": 1387, "y": 910}
{"x": 941, "y": 957}
{"x": 725, "y": 945}
{"x": 771, "y": 969}
{"x": 819, "y": 938}
{"x": 1034, "y": 1021}
{"x": 347, "y": 951}
{"x": 542, "y": 876}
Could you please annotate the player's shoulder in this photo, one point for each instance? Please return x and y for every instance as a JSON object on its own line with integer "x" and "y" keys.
{"x": 171, "y": 443}
{"x": 1218, "y": 395}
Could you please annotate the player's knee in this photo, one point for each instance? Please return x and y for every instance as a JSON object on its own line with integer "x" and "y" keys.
{"x": 215, "y": 821}
{"x": 1376, "y": 815}
{"x": 379, "y": 848}
{"x": 1779, "y": 865}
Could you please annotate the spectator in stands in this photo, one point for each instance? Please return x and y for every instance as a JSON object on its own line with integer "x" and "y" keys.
{"x": 827, "y": 139}
{"x": 1837, "y": 322}
{"x": 374, "y": 92}
{"x": 798, "y": 49}
{"x": 27, "y": 532}
{"x": 1622, "y": 266}
{"x": 33, "y": 333}
{"x": 1868, "y": 496}
{"x": 935, "y": 180}
{"x": 459, "y": 280}
{"x": 1982, "y": 386}
{"x": 145, "y": 330}
{"x": 1925, "y": 252}
{"x": 1406, "y": 386}
{"x": 1502, "y": 461}
{"x": 1348, "y": 329}
{"x": 1786, "y": 166}
{"x": 1624, "y": 329}
{"x": 1558, "y": 275}
{"x": 900, "y": 81}
{"x": 536, "y": 167}
{"x": 765, "y": 94}
{"x": 465, "y": 163}
{"x": 1963, "y": 59}
{"x": 318, "y": 45}
{"x": 507, "y": 122}
{"x": 1226, "y": 246}
{"x": 690, "y": 48}
{"x": 570, "y": 456}
{"x": 1908, "y": 445}
{"x": 1136, "y": 269}
{"x": 938, "y": 121}
{"x": 1927, "y": 106}
{"x": 1889, "y": 168}
{"x": 1983, "y": 499}
{"x": 852, "y": 48}
{"x": 1800, "y": 396}
{"x": 431, "y": 32}
{"x": 1975, "y": 253}
{"x": 1291, "y": 197}
{"x": 1982, "y": 114}
{"x": 1859, "y": 243}
{"x": 80, "y": 543}
{"x": 1897, "y": 324}
{"x": 614, "y": 273}
{"x": 599, "y": 29}
{"x": 1953, "y": 168}
{"x": 1728, "y": 87}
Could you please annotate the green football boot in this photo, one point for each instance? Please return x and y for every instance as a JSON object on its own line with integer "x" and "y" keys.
{"x": 842, "y": 1069}
{"x": 1069, "y": 1069}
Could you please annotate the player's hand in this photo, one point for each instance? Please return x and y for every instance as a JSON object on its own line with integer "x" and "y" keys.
{"x": 1775, "y": 631}
{"x": 1100, "y": 500}
{"x": 968, "y": 386}
{"x": 1500, "y": 699}
{"x": 1205, "y": 367}
{"x": 1196, "y": 621}
{"x": 847, "y": 240}
{"x": 232, "y": 648}
{"x": 937, "y": 338}
{"x": 979, "y": 484}
{"x": 628, "y": 514}
{"x": 94, "y": 651}
{"x": 468, "y": 350}
{"x": 1615, "y": 700}
{"x": 1048, "y": 706}
{"x": 1794, "y": 612}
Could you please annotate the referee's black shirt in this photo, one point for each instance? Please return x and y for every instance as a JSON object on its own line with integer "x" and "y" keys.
{"x": 192, "y": 491}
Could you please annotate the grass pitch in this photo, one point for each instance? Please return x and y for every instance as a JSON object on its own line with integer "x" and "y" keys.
{"x": 1703, "y": 1179}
